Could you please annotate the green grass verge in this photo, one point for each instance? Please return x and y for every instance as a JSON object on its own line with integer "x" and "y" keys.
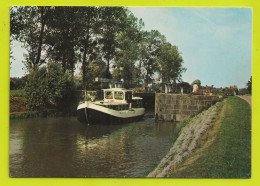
{"x": 18, "y": 93}
{"x": 230, "y": 154}
{"x": 39, "y": 114}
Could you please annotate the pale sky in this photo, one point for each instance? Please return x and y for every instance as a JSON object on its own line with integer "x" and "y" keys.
{"x": 216, "y": 43}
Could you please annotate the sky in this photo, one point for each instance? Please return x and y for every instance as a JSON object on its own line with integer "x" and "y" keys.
{"x": 215, "y": 43}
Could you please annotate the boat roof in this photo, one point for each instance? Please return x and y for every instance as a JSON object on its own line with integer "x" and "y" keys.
{"x": 117, "y": 89}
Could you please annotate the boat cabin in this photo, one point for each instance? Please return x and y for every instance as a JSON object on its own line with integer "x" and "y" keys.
{"x": 120, "y": 98}
{"x": 118, "y": 95}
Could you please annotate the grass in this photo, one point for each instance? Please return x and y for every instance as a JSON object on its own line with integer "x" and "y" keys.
{"x": 179, "y": 127}
{"x": 17, "y": 93}
{"x": 230, "y": 154}
{"x": 35, "y": 114}
{"x": 18, "y": 107}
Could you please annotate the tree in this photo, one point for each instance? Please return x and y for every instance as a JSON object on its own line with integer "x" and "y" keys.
{"x": 197, "y": 81}
{"x": 113, "y": 22}
{"x": 150, "y": 46}
{"x": 249, "y": 85}
{"x": 18, "y": 83}
{"x": 89, "y": 25}
{"x": 47, "y": 86}
{"x": 28, "y": 25}
{"x": 95, "y": 69}
{"x": 63, "y": 36}
{"x": 170, "y": 63}
{"x": 128, "y": 51}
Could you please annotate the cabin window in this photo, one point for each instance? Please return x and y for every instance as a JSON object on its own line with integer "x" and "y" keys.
{"x": 108, "y": 95}
{"x": 119, "y": 95}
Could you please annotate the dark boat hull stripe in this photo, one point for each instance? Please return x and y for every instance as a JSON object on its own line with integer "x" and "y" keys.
{"x": 98, "y": 117}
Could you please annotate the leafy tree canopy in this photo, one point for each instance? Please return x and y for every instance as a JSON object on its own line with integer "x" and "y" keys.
{"x": 197, "y": 81}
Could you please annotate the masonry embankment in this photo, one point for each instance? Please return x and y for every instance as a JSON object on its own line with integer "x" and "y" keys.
{"x": 178, "y": 107}
{"x": 186, "y": 142}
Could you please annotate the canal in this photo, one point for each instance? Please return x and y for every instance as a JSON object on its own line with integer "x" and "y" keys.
{"x": 63, "y": 147}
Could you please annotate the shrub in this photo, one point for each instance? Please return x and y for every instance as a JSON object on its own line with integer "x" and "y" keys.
{"x": 46, "y": 86}
{"x": 243, "y": 91}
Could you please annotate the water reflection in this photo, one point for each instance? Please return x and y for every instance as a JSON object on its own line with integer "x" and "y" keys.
{"x": 62, "y": 147}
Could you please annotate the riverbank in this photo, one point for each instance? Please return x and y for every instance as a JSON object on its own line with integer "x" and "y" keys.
{"x": 214, "y": 144}
{"x": 18, "y": 108}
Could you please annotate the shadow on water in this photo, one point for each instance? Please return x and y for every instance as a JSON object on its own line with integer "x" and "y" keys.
{"x": 63, "y": 147}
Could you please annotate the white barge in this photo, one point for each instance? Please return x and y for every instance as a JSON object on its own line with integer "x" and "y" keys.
{"x": 118, "y": 106}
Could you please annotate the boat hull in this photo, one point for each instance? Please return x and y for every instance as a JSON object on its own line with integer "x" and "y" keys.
{"x": 93, "y": 116}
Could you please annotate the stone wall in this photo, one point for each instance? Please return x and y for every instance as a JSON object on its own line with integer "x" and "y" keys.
{"x": 178, "y": 107}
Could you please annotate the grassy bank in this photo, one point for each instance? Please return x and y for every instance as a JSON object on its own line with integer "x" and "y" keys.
{"x": 17, "y": 93}
{"x": 18, "y": 108}
{"x": 228, "y": 155}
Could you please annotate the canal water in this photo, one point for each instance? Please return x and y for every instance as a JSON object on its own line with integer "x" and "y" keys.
{"x": 63, "y": 147}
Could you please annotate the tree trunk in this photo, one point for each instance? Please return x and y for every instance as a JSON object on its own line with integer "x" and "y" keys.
{"x": 108, "y": 73}
{"x": 84, "y": 69}
{"x": 84, "y": 61}
{"x": 39, "y": 50}
{"x": 64, "y": 62}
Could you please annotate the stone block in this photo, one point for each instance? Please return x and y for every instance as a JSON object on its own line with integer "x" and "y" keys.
{"x": 178, "y": 117}
{"x": 177, "y": 106}
{"x": 201, "y": 103}
{"x": 193, "y": 102}
{"x": 173, "y": 100}
{"x": 188, "y": 102}
{"x": 193, "y": 108}
{"x": 169, "y": 107}
{"x": 168, "y": 117}
{"x": 162, "y": 109}
{"x": 168, "y": 99}
{"x": 186, "y": 112}
{"x": 177, "y": 111}
{"x": 160, "y": 117}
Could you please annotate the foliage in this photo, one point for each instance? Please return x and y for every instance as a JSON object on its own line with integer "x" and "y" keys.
{"x": 128, "y": 53}
{"x": 89, "y": 25}
{"x": 249, "y": 85}
{"x": 18, "y": 83}
{"x": 243, "y": 91}
{"x": 113, "y": 21}
{"x": 95, "y": 69}
{"x": 62, "y": 36}
{"x": 197, "y": 81}
{"x": 90, "y": 37}
{"x": 186, "y": 87}
{"x": 150, "y": 46}
{"x": 47, "y": 86}
{"x": 230, "y": 91}
{"x": 27, "y": 25}
{"x": 170, "y": 63}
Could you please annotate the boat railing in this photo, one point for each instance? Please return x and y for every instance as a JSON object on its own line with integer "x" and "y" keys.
{"x": 88, "y": 95}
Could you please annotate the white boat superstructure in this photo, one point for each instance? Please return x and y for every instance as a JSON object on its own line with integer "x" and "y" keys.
{"x": 118, "y": 106}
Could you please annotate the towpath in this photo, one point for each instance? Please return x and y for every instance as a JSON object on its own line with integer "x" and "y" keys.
{"x": 248, "y": 99}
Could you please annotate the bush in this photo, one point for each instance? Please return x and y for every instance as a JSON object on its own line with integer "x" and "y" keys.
{"x": 18, "y": 83}
{"x": 243, "y": 91}
{"x": 47, "y": 86}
